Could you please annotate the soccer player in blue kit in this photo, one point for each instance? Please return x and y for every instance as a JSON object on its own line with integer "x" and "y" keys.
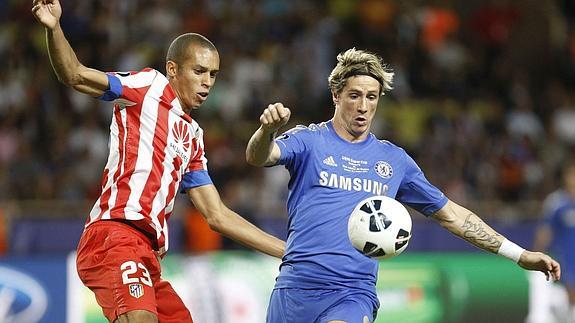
{"x": 333, "y": 165}
{"x": 557, "y": 232}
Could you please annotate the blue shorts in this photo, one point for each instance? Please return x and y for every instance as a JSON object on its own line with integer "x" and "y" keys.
{"x": 292, "y": 305}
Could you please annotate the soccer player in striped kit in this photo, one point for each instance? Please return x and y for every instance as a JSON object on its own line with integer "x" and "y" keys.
{"x": 333, "y": 165}
{"x": 156, "y": 149}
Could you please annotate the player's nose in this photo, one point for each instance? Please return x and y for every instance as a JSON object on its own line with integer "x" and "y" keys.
{"x": 363, "y": 106}
{"x": 207, "y": 80}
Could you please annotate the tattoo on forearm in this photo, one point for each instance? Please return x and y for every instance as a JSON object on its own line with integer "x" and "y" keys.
{"x": 256, "y": 141}
{"x": 253, "y": 146}
{"x": 476, "y": 233}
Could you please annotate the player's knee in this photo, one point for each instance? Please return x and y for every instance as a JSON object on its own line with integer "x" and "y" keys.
{"x": 139, "y": 316}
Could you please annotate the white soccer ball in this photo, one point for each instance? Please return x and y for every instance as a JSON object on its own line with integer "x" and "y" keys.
{"x": 379, "y": 227}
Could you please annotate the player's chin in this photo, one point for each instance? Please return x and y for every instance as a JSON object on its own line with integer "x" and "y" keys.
{"x": 187, "y": 108}
{"x": 360, "y": 130}
{"x": 195, "y": 104}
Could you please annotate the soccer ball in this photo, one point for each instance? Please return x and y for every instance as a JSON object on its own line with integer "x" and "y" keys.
{"x": 379, "y": 227}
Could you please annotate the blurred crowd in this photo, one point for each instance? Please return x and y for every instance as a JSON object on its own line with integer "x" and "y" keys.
{"x": 483, "y": 96}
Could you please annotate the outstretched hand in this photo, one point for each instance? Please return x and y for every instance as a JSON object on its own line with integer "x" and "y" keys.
{"x": 540, "y": 262}
{"x": 274, "y": 117}
{"x": 47, "y": 12}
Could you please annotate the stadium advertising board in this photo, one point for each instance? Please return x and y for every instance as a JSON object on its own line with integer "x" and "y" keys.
{"x": 33, "y": 290}
{"x": 234, "y": 287}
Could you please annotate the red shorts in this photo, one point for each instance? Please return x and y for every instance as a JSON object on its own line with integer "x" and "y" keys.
{"x": 118, "y": 264}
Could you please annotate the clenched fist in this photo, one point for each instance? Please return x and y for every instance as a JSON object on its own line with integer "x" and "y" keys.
{"x": 47, "y": 12}
{"x": 274, "y": 117}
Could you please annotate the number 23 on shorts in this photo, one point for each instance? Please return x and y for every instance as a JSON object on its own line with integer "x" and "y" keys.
{"x": 130, "y": 273}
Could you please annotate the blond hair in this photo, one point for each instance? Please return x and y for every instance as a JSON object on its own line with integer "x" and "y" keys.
{"x": 354, "y": 62}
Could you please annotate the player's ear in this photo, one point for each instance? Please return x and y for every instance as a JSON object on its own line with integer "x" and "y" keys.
{"x": 171, "y": 69}
{"x": 335, "y": 97}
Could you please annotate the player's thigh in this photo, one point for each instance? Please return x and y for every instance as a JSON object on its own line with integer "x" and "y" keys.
{"x": 277, "y": 307}
{"x": 352, "y": 309}
{"x": 119, "y": 268}
{"x": 171, "y": 308}
{"x": 292, "y": 305}
{"x": 139, "y": 316}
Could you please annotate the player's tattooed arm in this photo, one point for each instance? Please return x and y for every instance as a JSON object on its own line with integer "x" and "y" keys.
{"x": 468, "y": 226}
{"x": 480, "y": 234}
{"x": 261, "y": 149}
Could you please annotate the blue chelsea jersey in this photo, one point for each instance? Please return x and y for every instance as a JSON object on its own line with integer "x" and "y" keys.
{"x": 329, "y": 176}
{"x": 560, "y": 216}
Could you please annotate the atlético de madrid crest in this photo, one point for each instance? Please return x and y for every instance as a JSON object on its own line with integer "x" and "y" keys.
{"x": 383, "y": 169}
{"x": 136, "y": 290}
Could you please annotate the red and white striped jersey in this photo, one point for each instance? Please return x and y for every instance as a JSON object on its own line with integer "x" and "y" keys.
{"x": 153, "y": 144}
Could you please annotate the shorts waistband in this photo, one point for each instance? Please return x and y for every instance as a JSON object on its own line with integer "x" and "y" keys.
{"x": 127, "y": 225}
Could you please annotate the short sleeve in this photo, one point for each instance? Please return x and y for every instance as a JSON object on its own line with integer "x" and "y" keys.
{"x": 417, "y": 192}
{"x": 129, "y": 88}
{"x": 293, "y": 144}
{"x": 197, "y": 170}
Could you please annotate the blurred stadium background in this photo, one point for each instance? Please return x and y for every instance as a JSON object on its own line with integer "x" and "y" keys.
{"x": 483, "y": 100}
